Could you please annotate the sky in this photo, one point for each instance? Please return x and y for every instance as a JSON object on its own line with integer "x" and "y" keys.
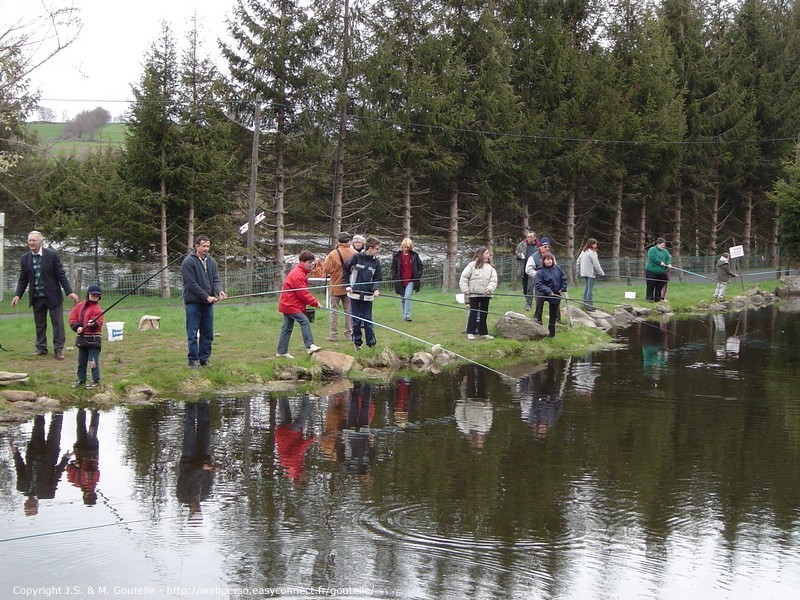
{"x": 99, "y": 68}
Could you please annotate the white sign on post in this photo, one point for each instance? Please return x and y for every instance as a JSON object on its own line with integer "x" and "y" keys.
{"x": 259, "y": 217}
{"x": 736, "y": 251}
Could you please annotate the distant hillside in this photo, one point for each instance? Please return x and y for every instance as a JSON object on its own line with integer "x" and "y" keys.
{"x": 51, "y": 138}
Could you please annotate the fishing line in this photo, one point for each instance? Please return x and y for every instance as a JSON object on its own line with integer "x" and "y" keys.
{"x": 693, "y": 273}
{"x": 426, "y": 342}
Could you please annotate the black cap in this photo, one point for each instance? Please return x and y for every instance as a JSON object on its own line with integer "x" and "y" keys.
{"x": 344, "y": 237}
{"x": 94, "y": 289}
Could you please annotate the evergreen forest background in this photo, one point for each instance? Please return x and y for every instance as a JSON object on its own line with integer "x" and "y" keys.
{"x": 450, "y": 119}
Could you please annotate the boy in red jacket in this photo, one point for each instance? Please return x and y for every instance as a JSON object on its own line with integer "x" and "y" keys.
{"x": 86, "y": 319}
{"x": 293, "y": 301}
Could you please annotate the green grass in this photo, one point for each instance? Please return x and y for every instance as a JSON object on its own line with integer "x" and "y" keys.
{"x": 244, "y": 349}
{"x": 51, "y": 138}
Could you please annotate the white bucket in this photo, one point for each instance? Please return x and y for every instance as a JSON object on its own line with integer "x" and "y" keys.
{"x": 630, "y": 295}
{"x": 460, "y": 298}
{"x": 114, "y": 330}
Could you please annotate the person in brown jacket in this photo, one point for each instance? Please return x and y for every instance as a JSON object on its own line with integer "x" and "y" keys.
{"x": 338, "y": 296}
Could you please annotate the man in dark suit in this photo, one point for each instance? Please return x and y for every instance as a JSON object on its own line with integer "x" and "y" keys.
{"x": 42, "y": 273}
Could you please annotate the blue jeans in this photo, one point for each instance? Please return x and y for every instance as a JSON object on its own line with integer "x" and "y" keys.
{"x": 288, "y": 326}
{"x": 200, "y": 318}
{"x": 588, "y": 291}
{"x": 405, "y": 300}
{"x": 362, "y": 315}
{"x": 86, "y": 356}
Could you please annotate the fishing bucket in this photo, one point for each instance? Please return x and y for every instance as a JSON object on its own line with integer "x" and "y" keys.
{"x": 311, "y": 314}
{"x": 114, "y": 329}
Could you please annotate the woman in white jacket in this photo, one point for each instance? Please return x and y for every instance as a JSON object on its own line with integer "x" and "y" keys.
{"x": 589, "y": 267}
{"x": 478, "y": 282}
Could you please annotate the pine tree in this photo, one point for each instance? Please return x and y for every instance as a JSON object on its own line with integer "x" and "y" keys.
{"x": 153, "y": 135}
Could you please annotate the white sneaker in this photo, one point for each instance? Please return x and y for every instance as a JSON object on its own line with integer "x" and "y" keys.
{"x": 487, "y": 337}
{"x": 313, "y": 348}
{"x": 470, "y": 336}
{"x": 284, "y": 355}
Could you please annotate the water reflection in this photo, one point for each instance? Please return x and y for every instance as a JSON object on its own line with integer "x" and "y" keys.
{"x": 356, "y": 443}
{"x": 573, "y": 479}
{"x": 655, "y": 350}
{"x": 83, "y": 471}
{"x": 39, "y": 472}
{"x": 542, "y": 396}
{"x": 195, "y": 470}
{"x": 292, "y": 437}
{"x": 473, "y": 411}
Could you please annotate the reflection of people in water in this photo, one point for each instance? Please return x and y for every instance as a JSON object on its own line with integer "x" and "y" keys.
{"x": 38, "y": 474}
{"x": 335, "y": 421}
{"x": 654, "y": 350}
{"x": 292, "y": 438}
{"x": 473, "y": 411}
{"x": 403, "y": 400}
{"x": 541, "y": 400}
{"x": 83, "y": 471}
{"x": 196, "y": 472}
{"x": 355, "y": 445}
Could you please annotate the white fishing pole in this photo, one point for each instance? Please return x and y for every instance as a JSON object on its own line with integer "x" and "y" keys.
{"x": 692, "y": 273}
{"x": 426, "y": 342}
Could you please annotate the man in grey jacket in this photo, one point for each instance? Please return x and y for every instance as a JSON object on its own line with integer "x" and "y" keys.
{"x": 201, "y": 289}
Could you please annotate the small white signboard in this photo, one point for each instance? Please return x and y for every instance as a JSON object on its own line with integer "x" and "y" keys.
{"x": 736, "y": 251}
{"x": 259, "y": 217}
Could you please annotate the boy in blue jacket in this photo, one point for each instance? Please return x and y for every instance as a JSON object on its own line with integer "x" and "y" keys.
{"x": 362, "y": 276}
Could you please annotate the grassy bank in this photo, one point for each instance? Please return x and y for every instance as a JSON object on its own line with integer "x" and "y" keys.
{"x": 246, "y": 338}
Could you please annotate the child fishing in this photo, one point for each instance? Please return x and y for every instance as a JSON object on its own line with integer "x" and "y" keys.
{"x": 86, "y": 319}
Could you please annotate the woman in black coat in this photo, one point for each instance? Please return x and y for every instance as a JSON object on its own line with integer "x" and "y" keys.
{"x": 406, "y": 274}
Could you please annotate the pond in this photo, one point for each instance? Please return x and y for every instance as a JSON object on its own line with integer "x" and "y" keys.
{"x": 666, "y": 468}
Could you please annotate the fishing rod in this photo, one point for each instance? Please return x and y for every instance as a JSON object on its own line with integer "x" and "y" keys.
{"x": 693, "y": 273}
{"x": 426, "y": 342}
{"x": 153, "y": 276}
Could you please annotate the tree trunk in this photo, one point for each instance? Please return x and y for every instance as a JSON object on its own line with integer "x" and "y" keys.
{"x": 251, "y": 199}
{"x": 643, "y": 230}
{"x": 676, "y": 234}
{"x": 569, "y": 267}
{"x": 748, "y": 226}
{"x": 488, "y": 232}
{"x": 280, "y": 192}
{"x": 163, "y": 249}
{"x": 190, "y": 222}
{"x": 773, "y": 242}
{"x": 616, "y": 234}
{"x": 711, "y": 250}
{"x": 407, "y": 208}
{"x": 452, "y": 236}
{"x": 338, "y": 176}
{"x": 526, "y": 217}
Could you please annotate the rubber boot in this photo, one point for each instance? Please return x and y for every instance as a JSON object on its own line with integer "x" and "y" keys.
{"x": 552, "y": 329}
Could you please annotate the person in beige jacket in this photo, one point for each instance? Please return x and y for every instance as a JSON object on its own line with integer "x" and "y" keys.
{"x": 333, "y": 268}
{"x": 478, "y": 282}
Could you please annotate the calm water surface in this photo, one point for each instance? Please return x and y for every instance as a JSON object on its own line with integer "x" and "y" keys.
{"x": 669, "y": 468}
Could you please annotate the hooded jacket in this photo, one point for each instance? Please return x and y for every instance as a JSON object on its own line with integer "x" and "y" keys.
{"x": 79, "y": 318}
{"x": 549, "y": 281}
{"x": 296, "y": 296}
{"x": 362, "y": 272}
{"x": 724, "y": 272}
